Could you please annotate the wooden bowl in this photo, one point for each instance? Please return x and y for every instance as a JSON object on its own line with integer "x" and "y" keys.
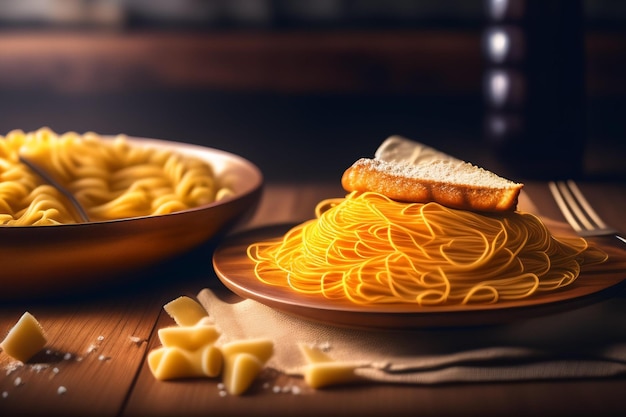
{"x": 37, "y": 260}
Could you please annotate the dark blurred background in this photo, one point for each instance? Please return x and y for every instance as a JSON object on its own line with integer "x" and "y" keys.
{"x": 302, "y": 88}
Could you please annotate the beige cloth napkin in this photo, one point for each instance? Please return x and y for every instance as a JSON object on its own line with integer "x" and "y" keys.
{"x": 583, "y": 343}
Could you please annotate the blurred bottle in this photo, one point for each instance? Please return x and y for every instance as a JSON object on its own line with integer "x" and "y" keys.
{"x": 535, "y": 86}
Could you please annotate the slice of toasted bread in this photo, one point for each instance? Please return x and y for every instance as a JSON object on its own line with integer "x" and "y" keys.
{"x": 397, "y": 148}
{"x": 431, "y": 177}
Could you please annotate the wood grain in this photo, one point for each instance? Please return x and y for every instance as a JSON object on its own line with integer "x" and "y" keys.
{"x": 123, "y": 386}
{"x": 91, "y": 351}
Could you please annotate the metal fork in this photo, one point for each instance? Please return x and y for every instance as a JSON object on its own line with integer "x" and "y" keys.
{"x": 578, "y": 212}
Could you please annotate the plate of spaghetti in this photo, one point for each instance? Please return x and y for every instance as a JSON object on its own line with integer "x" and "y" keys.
{"x": 76, "y": 209}
{"x": 369, "y": 261}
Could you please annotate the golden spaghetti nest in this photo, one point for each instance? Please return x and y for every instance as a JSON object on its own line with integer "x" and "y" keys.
{"x": 372, "y": 250}
{"x": 111, "y": 179}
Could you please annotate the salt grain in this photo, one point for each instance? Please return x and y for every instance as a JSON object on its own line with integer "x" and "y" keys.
{"x": 13, "y": 366}
{"x": 17, "y": 382}
{"x": 61, "y": 390}
{"x": 136, "y": 340}
{"x": 5, "y": 394}
{"x": 38, "y": 367}
{"x": 67, "y": 356}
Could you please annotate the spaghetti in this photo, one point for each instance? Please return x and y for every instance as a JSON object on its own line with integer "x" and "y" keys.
{"x": 370, "y": 249}
{"x": 111, "y": 179}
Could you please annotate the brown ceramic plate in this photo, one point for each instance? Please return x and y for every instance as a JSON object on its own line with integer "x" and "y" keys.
{"x": 38, "y": 260}
{"x": 235, "y": 270}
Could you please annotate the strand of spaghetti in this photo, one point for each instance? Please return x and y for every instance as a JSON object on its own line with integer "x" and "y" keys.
{"x": 369, "y": 249}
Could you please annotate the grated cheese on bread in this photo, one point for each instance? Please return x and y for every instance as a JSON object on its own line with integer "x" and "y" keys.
{"x": 413, "y": 175}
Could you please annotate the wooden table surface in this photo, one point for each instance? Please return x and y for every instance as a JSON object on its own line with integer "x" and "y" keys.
{"x": 98, "y": 341}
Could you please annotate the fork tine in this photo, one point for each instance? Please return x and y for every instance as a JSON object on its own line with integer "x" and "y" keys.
{"x": 577, "y": 210}
{"x": 574, "y": 205}
{"x": 555, "y": 189}
{"x": 585, "y": 204}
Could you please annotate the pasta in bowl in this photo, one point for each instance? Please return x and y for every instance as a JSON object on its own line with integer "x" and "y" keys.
{"x": 146, "y": 200}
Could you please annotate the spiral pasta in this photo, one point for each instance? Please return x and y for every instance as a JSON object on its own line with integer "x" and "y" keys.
{"x": 370, "y": 249}
{"x": 110, "y": 179}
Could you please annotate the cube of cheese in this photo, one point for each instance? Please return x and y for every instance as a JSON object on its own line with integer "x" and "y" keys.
{"x": 188, "y": 337}
{"x": 321, "y": 370}
{"x": 240, "y": 370}
{"x": 323, "y": 374}
{"x": 174, "y": 363}
{"x": 185, "y": 311}
{"x": 25, "y": 338}
{"x": 261, "y": 348}
{"x": 243, "y": 361}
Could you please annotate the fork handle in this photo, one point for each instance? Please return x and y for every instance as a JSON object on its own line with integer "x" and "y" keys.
{"x": 607, "y": 237}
